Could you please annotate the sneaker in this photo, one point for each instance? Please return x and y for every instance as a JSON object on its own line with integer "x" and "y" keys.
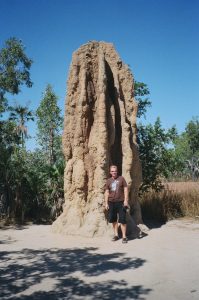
{"x": 115, "y": 238}
{"x": 140, "y": 235}
{"x": 124, "y": 240}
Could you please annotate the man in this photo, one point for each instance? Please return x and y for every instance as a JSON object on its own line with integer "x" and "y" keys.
{"x": 116, "y": 202}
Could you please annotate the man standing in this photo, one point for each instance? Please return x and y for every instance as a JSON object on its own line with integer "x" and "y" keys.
{"x": 116, "y": 202}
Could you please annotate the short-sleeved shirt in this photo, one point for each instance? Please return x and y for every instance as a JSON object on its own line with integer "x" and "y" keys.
{"x": 116, "y": 188}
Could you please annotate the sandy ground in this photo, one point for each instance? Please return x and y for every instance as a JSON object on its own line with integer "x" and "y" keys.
{"x": 38, "y": 264}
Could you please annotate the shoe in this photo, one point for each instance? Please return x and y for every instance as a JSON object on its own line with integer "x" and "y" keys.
{"x": 124, "y": 240}
{"x": 140, "y": 235}
{"x": 115, "y": 238}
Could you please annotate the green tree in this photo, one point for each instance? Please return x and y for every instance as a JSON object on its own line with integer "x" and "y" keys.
{"x": 186, "y": 152}
{"x": 14, "y": 72}
{"x": 8, "y": 137}
{"x": 21, "y": 114}
{"x": 155, "y": 155}
{"x": 180, "y": 154}
{"x": 141, "y": 90}
{"x": 13, "y": 172}
{"x": 49, "y": 122}
{"x": 14, "y": 68}
{"x": 192, "y": 135}
{"x": 8, "y": 141}
{"x": 35, "y": 191}
{"x": 155, "y": 144}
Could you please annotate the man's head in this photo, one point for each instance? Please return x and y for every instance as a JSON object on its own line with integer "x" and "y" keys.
{"x": 113, "y": 171}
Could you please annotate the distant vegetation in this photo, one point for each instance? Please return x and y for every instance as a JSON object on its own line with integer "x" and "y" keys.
{"x": 31, "y": 182}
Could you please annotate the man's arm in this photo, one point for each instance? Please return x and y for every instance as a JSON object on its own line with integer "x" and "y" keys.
{"x": 126, "y": 196}
{"x": 106, "y": 199}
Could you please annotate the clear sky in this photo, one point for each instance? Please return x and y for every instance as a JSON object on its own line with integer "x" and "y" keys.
{"x": 159, "y": 39}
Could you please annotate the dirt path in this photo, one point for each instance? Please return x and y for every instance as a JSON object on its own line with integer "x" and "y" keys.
{"x": 37, "y": 264}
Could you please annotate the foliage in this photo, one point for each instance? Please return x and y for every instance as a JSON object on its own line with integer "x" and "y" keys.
{"x": 192, "y": 135}
{"x": 155, "y": 156}
{"x": 186, "y": 152}
{"x": 14, "y": 68}
{"x": 140, "y": 91}
{"x": 45, "y": 185}
{"x": 8, "y": 136}
{"x": 49, "y": 122}
{"x": 180, "y": 153}
{"x": 3, "y": 105}
{"x": 12, "y": 177}
{"x": 21, "y": 114}
{"x": 14, "y": 72}
{"x": 29, "y": 186}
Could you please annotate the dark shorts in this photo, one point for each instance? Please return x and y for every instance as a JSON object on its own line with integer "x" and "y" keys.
{"x": 117, "y": 212}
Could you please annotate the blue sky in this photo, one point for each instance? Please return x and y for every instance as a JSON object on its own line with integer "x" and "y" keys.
{"x": 159, "y": 39}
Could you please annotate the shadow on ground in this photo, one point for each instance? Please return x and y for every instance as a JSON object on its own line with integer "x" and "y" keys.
{"x": 153, "y": 224}
{"x": 66, "y": 274}
{"x": 13, "y": 226}
{"x": 7, "y": 240}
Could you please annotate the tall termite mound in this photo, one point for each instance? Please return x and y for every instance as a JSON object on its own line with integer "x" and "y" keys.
{"x": 99, "y": 130}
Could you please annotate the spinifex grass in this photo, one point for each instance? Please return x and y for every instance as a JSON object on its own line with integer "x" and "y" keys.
{"x": 179, "y": 199}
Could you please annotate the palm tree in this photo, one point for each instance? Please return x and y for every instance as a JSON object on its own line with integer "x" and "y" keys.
{"x": 21, "y": 114}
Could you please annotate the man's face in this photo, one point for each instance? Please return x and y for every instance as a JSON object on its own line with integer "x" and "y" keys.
{"x": 113, "y": 172}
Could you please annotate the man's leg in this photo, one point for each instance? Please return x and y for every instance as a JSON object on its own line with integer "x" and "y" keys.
{"x": 113, "y": 220}
{"x": 122, "y": 220}
{"x": 115, "y": 228}
{"x": 123, "y": 228}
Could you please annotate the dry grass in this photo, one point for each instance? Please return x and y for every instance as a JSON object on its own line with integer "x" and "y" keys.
{"x": 187, "y": 186}
{"x": 178, "y": 199}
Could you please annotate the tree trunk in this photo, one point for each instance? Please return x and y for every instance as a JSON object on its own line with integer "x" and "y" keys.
{"x": 52, "y": 155}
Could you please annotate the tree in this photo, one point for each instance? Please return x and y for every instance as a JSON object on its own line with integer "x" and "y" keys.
{"x": 192, "y": 135}
{"x": 155, "y": 156}
{"x": 186, "y": 151}
{"x": 8, "y": 136}
{"x": 8, "y": 142}
{"x": 21, "y": 114}
{"x": 49, "y": 122}
{"x": 14, "y": 72}
{"x": 14, "y": 68}
{"x": 140, "y": 91}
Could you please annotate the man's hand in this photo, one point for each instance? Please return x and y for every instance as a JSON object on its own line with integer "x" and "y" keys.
{"x": 126, "y": 203}
{"x": 106, "y": 206}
